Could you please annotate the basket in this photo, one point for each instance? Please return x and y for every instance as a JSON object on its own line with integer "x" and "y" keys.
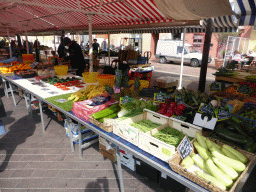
{"x": 107, "y": 128}
{"x": 175, "y": 165}
{"x": 90, "y": 77}
{"x": 28, "y": 58}
{"x": 106, "y": 79}
{"x": 61, "y": 69}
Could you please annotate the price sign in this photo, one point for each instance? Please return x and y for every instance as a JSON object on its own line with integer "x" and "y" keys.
{"x": 61, "y": 100}
{"x": 244, "y": 89}
{"x": 223, "y": 114}
{"x": 179, "y": 98}
{"x": 206, "y": 109}
{"x": 159, "y": 97}
{"x": 214, "y": 87}
{"x": 124, "y": 100}
{"x": 185, "y": 147}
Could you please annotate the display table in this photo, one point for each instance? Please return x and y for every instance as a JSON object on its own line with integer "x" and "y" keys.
{"x": 115, "y": 140}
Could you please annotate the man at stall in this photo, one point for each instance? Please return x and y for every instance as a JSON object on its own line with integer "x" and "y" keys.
{"x": 95, "y": 46}
{"x": 76, "y": 56}
{"x": 37, "y": 46}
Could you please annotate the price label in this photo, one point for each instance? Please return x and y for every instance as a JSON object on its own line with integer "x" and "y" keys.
{"x": 179, "y": 99}
{"x": 61, "y": 100}
{"x": 244, "y": 89}
{"x": 223, "y": 114}
{"x": 124, "y": 100}
{"x": 206, "y": 109}
{"x": 185, "y": 147}
{"x": 214, "y": 87}
{"x": 159, "y": 97}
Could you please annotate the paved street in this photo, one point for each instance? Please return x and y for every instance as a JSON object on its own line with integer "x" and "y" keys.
{"x": 190, "y": 74}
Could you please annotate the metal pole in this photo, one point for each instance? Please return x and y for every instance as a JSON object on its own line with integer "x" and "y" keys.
{"x": 90, "y": 43}
{"x": 207, "y": 44}
{"x": 244, "y": 44}
{"x": 54, "y": 43}
{"x": 225, "y": 52}
{"x": 108, "y": 48}
{"x": 10, "y": 48}
{"x": 27, "y": 41}
{"x": 182, "y": 59}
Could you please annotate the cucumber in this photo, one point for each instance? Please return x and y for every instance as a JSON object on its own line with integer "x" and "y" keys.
{"x": 229, "y": 154}
{"x": 217, "y": 173}
{"x": 106, "y": 112}
{"x": 226, "y": 169}
{"x": 237, "y": 165}
{"x": 213, "y": 180}
{"x": 242, "y": 158}
{"x": 231, "y": 136}
{"x": 187, "y": 162}
{"x": 201, "y": 140}
{"x": 199, "y": 162}
{"x": 202, "y": 151}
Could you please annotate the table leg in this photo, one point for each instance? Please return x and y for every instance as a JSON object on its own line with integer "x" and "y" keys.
{"x": 120, "y": 174}
{"x": 5, "y": 88}
{"x": 41, "y": 113}
{"x": 80, "y": 141}
{"x": 14, "y": 101}
{"x": 26, "y": 100}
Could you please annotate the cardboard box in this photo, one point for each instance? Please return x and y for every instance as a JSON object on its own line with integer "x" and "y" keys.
{"x": 111, "y": 151}
{"x": 108, "y": 155}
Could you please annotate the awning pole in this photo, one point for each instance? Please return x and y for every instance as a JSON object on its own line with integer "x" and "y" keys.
{"x": 206, "y": 50}
{"x": 226, "y": 52}
{"x": 182, "y": 58}
{"x": 27, "y": 41}
{"x": 10, "y": 48}
{"x": 108, "y": 48}
{"x": 54, "y": 43}
{"x": 90, "y": 43}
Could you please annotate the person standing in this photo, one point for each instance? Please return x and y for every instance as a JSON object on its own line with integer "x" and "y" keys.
{"x": 95, "y": 46}
{"x": 76, "y": 56}
{"x": 37, "y": 46}
{"x": 104, "y": 45}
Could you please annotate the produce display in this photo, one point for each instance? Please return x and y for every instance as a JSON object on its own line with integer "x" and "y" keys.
{"x": 89, "y": 92}
{"x": 225, "y": 73}
{"x": 110, "y": 113}
{"x": 20, "y": 67}
{"x": 219, "y": 164}
{"x": 170, "y": 136}
{"x": 145, "y": 125}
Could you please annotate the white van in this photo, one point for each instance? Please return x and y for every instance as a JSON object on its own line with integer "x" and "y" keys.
{"x": 172, "y": 50}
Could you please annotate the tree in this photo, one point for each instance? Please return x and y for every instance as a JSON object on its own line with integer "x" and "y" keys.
{"x": 222, "y": 39}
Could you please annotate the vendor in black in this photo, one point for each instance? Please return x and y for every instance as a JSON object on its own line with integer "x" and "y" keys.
{"x": 76, "y": 56}
{"x": 95, "y": 46}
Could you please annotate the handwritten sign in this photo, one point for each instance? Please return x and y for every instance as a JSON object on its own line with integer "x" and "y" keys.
{"x": 244, "y": 89}
{"x": 206, "y": 109}
{"x": 185, "y": 147}
{"x": 223, "y": 114}
{"x": 124, "y": 100}
{"x": 214, "y": 87}
{"x": 159, "y": 97}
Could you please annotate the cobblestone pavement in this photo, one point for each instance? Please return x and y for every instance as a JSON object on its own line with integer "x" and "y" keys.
{"x": 33, "y": 161}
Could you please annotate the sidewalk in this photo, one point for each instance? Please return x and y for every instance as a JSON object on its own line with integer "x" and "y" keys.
{"x": 33, "y": 161}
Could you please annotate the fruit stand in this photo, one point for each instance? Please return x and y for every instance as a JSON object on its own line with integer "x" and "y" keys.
{"x": 183, "y": 132}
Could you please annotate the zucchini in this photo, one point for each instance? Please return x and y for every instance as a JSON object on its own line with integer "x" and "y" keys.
{"x": 201, "y": 140}
{"x": 229, "y": 154}
{"x": 237, "y": 165}
{"x": 199, "y": 162}
{"x": 211, "y": 145}
{"x": 218, "y": 183}
{"x": 187, "y": 162}
{"x": 106, "y": 112}
{"x": 240, "y": 156}
{"x": 217, "y": 173}
{"x": 205, "y": 154}
{"x": 226, "y": 169}
{"x": 216, "y": 145}
{"x": 231, "y": 136}
{"x": 249, "y": 144}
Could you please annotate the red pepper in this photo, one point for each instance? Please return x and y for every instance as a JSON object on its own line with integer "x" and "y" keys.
{"x": 169, "y": 112}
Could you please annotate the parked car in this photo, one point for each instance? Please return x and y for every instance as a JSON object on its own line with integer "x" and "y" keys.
{"x": 172, "y": 50}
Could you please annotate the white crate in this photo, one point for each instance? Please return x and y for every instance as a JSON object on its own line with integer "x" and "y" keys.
{"x": 131, "y": 134}
{"x": 160, "y": 149}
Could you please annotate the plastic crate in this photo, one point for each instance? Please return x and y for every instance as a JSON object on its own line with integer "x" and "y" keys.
{"x": 90, "y": 77}
{"x": 131, "y": 134}
{"x": 61, "y": 69}
{"x": 250, "y": 122}
{"x": 106, "y": 79}
{"x": 28, "y": 58}
{"x": 161, "y": 149}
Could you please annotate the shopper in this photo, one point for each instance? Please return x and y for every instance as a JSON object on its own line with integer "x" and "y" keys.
{"x": 37, "y": 49}
{"x": 61, "y": 51}
{"x": 236, "y": 58}
{"x": 95, "y": 46}
{"x": 76, "y": 56}
{"x": 104, "y": 45}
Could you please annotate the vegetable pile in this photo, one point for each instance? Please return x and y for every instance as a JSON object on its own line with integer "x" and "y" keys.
{"x": 145, "y": 125}
{"x": 220, "y": 165}
{"x": 170, "y": 136}
{"x": 110, "y": 113}
{"x": 225, "y": 73}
